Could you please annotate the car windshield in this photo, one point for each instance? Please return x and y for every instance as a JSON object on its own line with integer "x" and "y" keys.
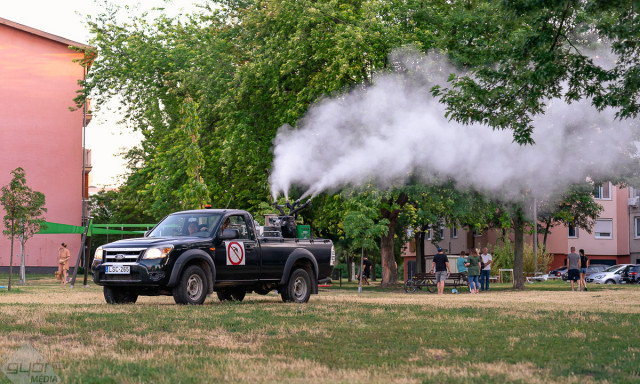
{"x": 613, "y": 269}
{"x": 187, "y": 225}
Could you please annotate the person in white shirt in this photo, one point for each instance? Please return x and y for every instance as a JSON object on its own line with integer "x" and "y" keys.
{"x": 485, "y": 273}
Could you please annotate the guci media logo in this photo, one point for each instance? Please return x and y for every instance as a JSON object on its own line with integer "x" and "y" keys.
{"x": 28, "y": 366}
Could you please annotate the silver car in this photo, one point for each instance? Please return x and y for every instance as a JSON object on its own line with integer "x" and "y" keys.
{"x": 610, "y": 275}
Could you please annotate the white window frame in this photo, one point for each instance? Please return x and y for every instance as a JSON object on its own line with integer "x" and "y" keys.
{"x": 636, "y": 220}
{"x": 575, "y": 232}
{"x": 442, "y": 232}
{"x": 428, "y": 235}
{"x": 454, "y": 232}
{"x": 601, "y": 190}
{"x": 597, "y": 234}
{"x": 477, "y": 233}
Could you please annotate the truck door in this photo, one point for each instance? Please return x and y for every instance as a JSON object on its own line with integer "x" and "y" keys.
{"x": 238, "y": 259}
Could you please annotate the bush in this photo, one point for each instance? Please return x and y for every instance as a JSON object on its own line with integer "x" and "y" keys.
{"x": 503, "y": 255}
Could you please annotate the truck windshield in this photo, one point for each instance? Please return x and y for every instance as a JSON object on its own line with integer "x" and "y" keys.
{"x": 187, "y": 225}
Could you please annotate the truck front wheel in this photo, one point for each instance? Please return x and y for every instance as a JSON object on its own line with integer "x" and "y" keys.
{"x": 119, "y": 295}
{"x": 298, "y": 288}
{"x": 192, "y": 287}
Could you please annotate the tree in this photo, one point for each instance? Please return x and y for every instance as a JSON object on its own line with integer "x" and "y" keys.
{"x": 576, "y": 208}
{"x": 522, "y": 54}
{"x": 444, "y": 204}
{"x": 24, "y": 210}
{"x": 363, "y": 227}
{"x": 519, "y": 55}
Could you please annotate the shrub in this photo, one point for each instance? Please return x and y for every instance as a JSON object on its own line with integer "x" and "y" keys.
{"x": 503, "y": 255}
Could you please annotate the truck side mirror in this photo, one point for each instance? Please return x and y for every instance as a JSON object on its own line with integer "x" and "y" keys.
{"x": 229, "y": 233}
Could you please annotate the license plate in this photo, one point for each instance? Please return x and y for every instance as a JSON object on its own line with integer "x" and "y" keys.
{"x": 117, "y": 269}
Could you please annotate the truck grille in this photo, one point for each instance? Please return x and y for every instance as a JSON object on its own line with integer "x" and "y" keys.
{"x": 122, "y": 255}
{"x": 134, "y": 276}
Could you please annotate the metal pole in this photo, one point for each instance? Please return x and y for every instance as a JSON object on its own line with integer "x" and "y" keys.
{"x": 361, "y": 264}
{"x": 535, "y": 236}
{"x": 80, "y": 254}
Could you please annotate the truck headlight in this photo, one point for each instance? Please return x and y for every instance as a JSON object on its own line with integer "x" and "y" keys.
{"x": 98, "y": 255}
{"x": 157, "y": 253}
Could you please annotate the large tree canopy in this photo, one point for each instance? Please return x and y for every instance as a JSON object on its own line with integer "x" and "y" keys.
{"x": 209, "y": 91}
{"x": 520, "y": 54}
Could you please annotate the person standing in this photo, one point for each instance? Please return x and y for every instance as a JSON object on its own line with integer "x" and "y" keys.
{"x": 485, "y": 274}
{"x": 473, "y": 268}
{"x": 442, "y": 270}
{"x": 63, "y": 262}
{"x": 366, "y": 270}
{"x": 573, "y": 267}
{"x": 584, "y": 264}
{"x": 462, "y": 260}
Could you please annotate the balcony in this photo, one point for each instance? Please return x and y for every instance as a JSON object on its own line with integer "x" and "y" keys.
{"x": 87, "y": 160}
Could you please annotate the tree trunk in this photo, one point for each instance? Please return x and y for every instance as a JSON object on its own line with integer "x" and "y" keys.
{"x": 544, "y": 240}
{"x": 388, "y": 258}
{"x": 23, "y": 277}
{"x": 518, "y": 268}
{"x": 11, "y": 258}
{"x": 389, "y": 265}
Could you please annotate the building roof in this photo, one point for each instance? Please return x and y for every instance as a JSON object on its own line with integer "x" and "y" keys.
{"x": 46, "y": 35}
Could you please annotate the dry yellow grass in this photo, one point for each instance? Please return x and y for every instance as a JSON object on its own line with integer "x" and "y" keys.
{"x": 238, "y": 357}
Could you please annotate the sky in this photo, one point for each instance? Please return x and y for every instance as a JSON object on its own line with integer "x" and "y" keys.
{"x": 65, "y": 18}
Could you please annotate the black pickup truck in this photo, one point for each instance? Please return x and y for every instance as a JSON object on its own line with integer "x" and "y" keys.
{"x": 190, "y": 254}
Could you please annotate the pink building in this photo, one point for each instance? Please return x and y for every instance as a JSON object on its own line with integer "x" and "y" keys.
{"x": 38, "y": 132}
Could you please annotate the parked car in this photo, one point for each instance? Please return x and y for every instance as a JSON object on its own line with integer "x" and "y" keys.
{"x": 632, "y": 275}
{"x": 595, "y": 268}
{"x": 611, "y": 275}
{"x": 557, "y": 273}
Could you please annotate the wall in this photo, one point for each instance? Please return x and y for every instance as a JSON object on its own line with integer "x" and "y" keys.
{"x": 38, "y": 82}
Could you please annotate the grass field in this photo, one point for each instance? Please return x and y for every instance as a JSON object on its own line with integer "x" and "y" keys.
{"x": 546, "y": 334}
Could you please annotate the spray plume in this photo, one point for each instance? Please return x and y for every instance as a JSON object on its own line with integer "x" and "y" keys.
{"x": 395, "y": 129}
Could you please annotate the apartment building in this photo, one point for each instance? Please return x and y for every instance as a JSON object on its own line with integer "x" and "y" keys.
{"x": 38, "y": 132}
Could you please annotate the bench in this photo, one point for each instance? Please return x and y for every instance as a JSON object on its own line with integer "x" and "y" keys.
{"x": 428, "y": 281}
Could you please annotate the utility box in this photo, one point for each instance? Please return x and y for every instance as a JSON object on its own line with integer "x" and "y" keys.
{"x": 304, "y": 231}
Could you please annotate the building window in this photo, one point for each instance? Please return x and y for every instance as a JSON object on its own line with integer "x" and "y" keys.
{"x": 604, "y": 229}
{"x": 441, "y": 232}
{"x": 429, "y": 233}
{"x": 454, "y": 232}
{"x": 477, "y": 233}
{"x": 602, "y": 191}
{"x": 573, "y": 232}
{"x": 637, "y": 220}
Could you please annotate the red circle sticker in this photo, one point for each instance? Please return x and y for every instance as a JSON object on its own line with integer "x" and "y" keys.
{"x": 235, "y": 253}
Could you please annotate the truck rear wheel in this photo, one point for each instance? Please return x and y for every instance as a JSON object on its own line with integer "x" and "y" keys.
{"x": 192, "y": 287}
{"x": 298, "y": 289}
{"x": 119, "y": 295}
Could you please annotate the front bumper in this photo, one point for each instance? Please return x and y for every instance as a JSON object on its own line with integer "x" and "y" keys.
{"x": 143, "y": 273}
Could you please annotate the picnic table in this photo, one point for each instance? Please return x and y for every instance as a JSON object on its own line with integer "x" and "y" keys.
{"x": 428, "y": 281}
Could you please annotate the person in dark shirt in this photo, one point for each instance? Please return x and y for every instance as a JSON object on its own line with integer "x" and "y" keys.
{"x": 442, "y": 270}
{"x": 584, "y": 264}
{"x": 366, "y": 270}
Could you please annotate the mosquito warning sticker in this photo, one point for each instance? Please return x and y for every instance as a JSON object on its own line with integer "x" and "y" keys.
{"x": 235, "y": 252}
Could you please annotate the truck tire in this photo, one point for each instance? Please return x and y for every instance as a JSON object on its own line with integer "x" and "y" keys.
{"x": 192, "y": 287}
{"x": 119, "y": 295}
{"x": 233, "y": 294}
{"x": 298, "y": 288}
